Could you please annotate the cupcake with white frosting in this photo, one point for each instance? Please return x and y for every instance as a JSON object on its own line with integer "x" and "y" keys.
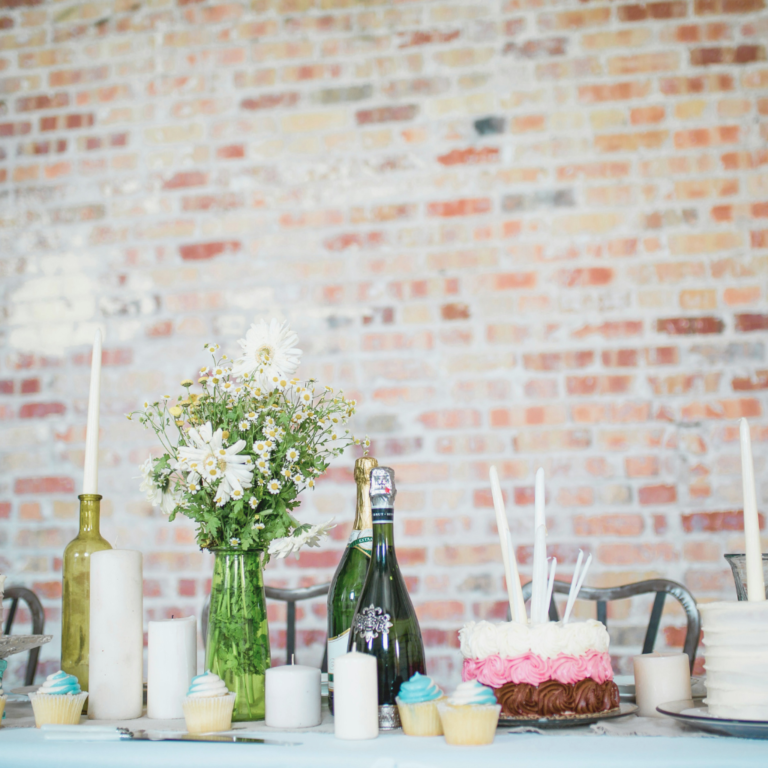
{"x": 208, "y": 705}
{"x": 470, "y": 715}
{"x": 58, "y": 700}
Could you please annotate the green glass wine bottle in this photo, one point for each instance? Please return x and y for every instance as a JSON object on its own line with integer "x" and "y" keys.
{"x": 385, "y": 623}
{"x": 350, "y": 574}
{"x": 76, "y": 593}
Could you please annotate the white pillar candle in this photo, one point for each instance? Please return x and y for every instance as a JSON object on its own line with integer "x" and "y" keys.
{"x": 659, "y": 679}
{"x": 91, "y": 468}
{"x": 171, "y": 665}
{"x": 116, "y": 636}
{"x": 755, "y": 578}
{"x": 292, "y": 696}
{"x": 356, "y": 696}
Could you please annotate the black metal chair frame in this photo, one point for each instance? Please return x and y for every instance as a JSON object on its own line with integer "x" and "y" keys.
{"x": 14, "y": 594}
{"x": 661, "y": 587}
{"x": 290, "y": 597}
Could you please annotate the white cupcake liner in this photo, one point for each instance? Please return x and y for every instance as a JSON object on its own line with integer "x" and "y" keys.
{"x": 58, "y": 709}
{"x": 3, "y": 699}
{"x": 469, "y": 724}
{"x": 420, "y": 718}
{"x": 208, "y": 714}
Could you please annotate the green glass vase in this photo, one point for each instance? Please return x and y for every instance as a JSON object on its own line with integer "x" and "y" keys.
{"x": 237, "y": 646}
{"x": 76, "y": 589}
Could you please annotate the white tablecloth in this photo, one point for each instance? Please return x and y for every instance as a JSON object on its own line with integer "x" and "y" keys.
{"x": 25, "y": 747}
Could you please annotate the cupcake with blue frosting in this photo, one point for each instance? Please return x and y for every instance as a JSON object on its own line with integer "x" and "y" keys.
{"x": 208, "y": 705}
{"x": 58, "y": 700}
{"x": 470, "y": 715}
{"x": 417, "y": 704}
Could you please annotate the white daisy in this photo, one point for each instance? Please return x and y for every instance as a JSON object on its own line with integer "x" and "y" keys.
{"x": 273, "y": 486}
{"x": 156, "y": 496}
{"x": 269, "y": 350}
{"x": 234, "y": 542}
{"x": 218, "y": 463}
{"x": 262, "y": 465}
{"x": 286, "y": 473}
{"x": 292, "y": 455}
{"x": 253, "y": 502}
{"x": 298, "y": 478}
{"x": 244, "y": 425}
{"x": 258, "y": 526}
{"x": 310, "y": 483}
{"x": 305, "y": 397}
{"x": 237, "y": 493}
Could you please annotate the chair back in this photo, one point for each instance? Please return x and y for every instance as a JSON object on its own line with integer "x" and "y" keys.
{"x": 660, "y": 587}
{"x": 14, "y": 594}
{"x": 290, "y": 597}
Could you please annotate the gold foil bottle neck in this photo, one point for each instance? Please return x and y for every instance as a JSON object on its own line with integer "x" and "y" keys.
{"x": 363, "y": 467}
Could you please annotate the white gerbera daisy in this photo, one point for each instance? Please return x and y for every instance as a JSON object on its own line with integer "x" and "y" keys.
{"x": 311, "y": 538}
{"x": 269, "y": 350}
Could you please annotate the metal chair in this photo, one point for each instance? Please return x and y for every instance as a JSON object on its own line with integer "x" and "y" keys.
{"x": 290, "y": 597}
{"x": 661, "y": 587}
{"x": 14, "y": 594}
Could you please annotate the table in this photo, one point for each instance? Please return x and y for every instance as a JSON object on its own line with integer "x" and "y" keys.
{"x": 576, "y": 748}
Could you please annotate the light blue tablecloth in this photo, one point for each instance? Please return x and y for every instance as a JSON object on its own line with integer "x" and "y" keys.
{"x": 26, "y": 748}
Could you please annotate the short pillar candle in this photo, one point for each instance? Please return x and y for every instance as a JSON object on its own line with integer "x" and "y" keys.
{"x": 292, "y": 696}
{"x": 659, "y": 679}
{"x": 171, "y": 665}
{"x": 355, "y": 696}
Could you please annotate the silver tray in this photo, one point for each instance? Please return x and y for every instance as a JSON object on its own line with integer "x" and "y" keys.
{"x": 10, "y": 644}
{"x": 696, "y": 713}
{"x": 566, "y": 721}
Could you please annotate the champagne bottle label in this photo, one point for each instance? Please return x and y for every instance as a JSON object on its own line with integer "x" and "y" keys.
{"x": 372, "y": 622}
{"x": 383, "y": 515}
{"x": 362, "y": 540}
{"x": 336, "y": 647}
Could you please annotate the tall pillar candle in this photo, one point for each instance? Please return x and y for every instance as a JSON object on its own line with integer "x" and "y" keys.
{"x": 171, "y": 665}
{"x": 755, "y": 577}
{"x": 117, "y": 636}
{"x": 91, "y": 466}
{"x": 292, "y": 696}
{"x": 356, "y": 696}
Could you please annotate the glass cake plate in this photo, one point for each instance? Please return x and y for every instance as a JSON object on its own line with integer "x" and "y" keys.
{"x": 11, "y": 644}
{"x": 695, "y": 713}
{"x": 566, "y": 721}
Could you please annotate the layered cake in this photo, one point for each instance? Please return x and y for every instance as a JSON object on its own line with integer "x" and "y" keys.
{"x": 542, "y": 670}
{"x": 736, "y": 659}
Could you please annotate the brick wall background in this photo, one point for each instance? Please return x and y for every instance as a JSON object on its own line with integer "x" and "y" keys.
{"x": 522, "y": 232}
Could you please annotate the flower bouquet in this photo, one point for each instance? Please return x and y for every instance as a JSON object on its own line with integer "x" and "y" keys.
{"x": 237, "y": 454}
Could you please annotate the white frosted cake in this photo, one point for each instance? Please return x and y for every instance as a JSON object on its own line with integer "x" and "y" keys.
{"x": 736, "y": 659}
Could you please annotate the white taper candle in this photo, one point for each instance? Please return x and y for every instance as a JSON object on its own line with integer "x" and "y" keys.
{"x": 755, "y": 578}
{"x": 507, "y": 552}
{"x": 539, "y": 587}
{"x": 91, "y": 468}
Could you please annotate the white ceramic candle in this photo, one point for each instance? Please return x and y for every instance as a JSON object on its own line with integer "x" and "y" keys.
{"x": 659, "y": 679}
{"x": 116, "y": 636}
{"x": 292, "y": 696}
{"x": 755, "y": 577}
{"x": 91, "y": 467}
{"x": 171, "y": 665}
{"x": 355, "y": 696}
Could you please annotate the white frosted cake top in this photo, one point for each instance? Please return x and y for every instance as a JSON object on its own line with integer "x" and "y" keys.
{"x": 509, "y": 639}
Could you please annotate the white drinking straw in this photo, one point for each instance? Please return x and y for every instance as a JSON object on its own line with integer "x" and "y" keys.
{"x": 550, "y": 588}
{"x": 518, "y": 603}
{"x": 539, "y": 588}
{"x": 582, "y": 576}
{"x": 755, "y": 578}
{"x": 507, "y": 551}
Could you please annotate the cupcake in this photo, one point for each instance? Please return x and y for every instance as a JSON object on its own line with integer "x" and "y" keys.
{"x": 208, "y": 705}
{"x": 417, "y": 705}
{"x": 470, "y": 715}
{"x": 58, "y": 700}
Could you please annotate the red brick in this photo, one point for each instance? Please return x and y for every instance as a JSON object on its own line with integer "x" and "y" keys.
{"x": 203, "y": 251}
{"x": 231, "y": 152}
{"x": 657, "y": 494}
{"x": 660, "y": 10}
{"x": 387, "y": 114}
{"x": 589, "y": 94}
{"x": 715, "y": 522}
{"x": 41, "y": 410}
{"x": 608, "y": 525}
{"x": 427, "y": 37}
{"x": 14, "y": 129}
{"x": 684, "y": 326}
{"x": 742, "y": 54}
{"x": 641, "y": 466}
{"x": 470, "y": 156}
{"x": 718, "y": 7}
{"x": 455, "y": 419}
{"x": 757, "y": 382}
{"x": 185, "y": 179}
{"x": 7, "y": 386}
{"x": 570, "y": 278}
{"x": 455, "y": 311}
{"x": 751, "y": 322}
{"x": 31, "y": 103}
{"x": 466, "y": 207}
{"x": 40, "y": 485}
{"x": 630, "y": 554}
{"x": 440, "y": 610}
{"x": 619, "y": 358}
{"x": 66, "y": 122}
{"x": 271, "y": 101}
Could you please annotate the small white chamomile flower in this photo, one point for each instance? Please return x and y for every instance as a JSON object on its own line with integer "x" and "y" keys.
{"x": 273, "y": 486}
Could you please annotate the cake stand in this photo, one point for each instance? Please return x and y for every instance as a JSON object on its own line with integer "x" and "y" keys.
{"x": 695, "y": 713}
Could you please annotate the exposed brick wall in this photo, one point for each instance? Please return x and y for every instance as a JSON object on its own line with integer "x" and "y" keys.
{"x": 519, "y": 232}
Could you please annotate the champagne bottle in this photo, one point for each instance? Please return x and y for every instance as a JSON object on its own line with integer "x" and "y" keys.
{"x": 385, "y": 624}
{"x": 350, "y": 575}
